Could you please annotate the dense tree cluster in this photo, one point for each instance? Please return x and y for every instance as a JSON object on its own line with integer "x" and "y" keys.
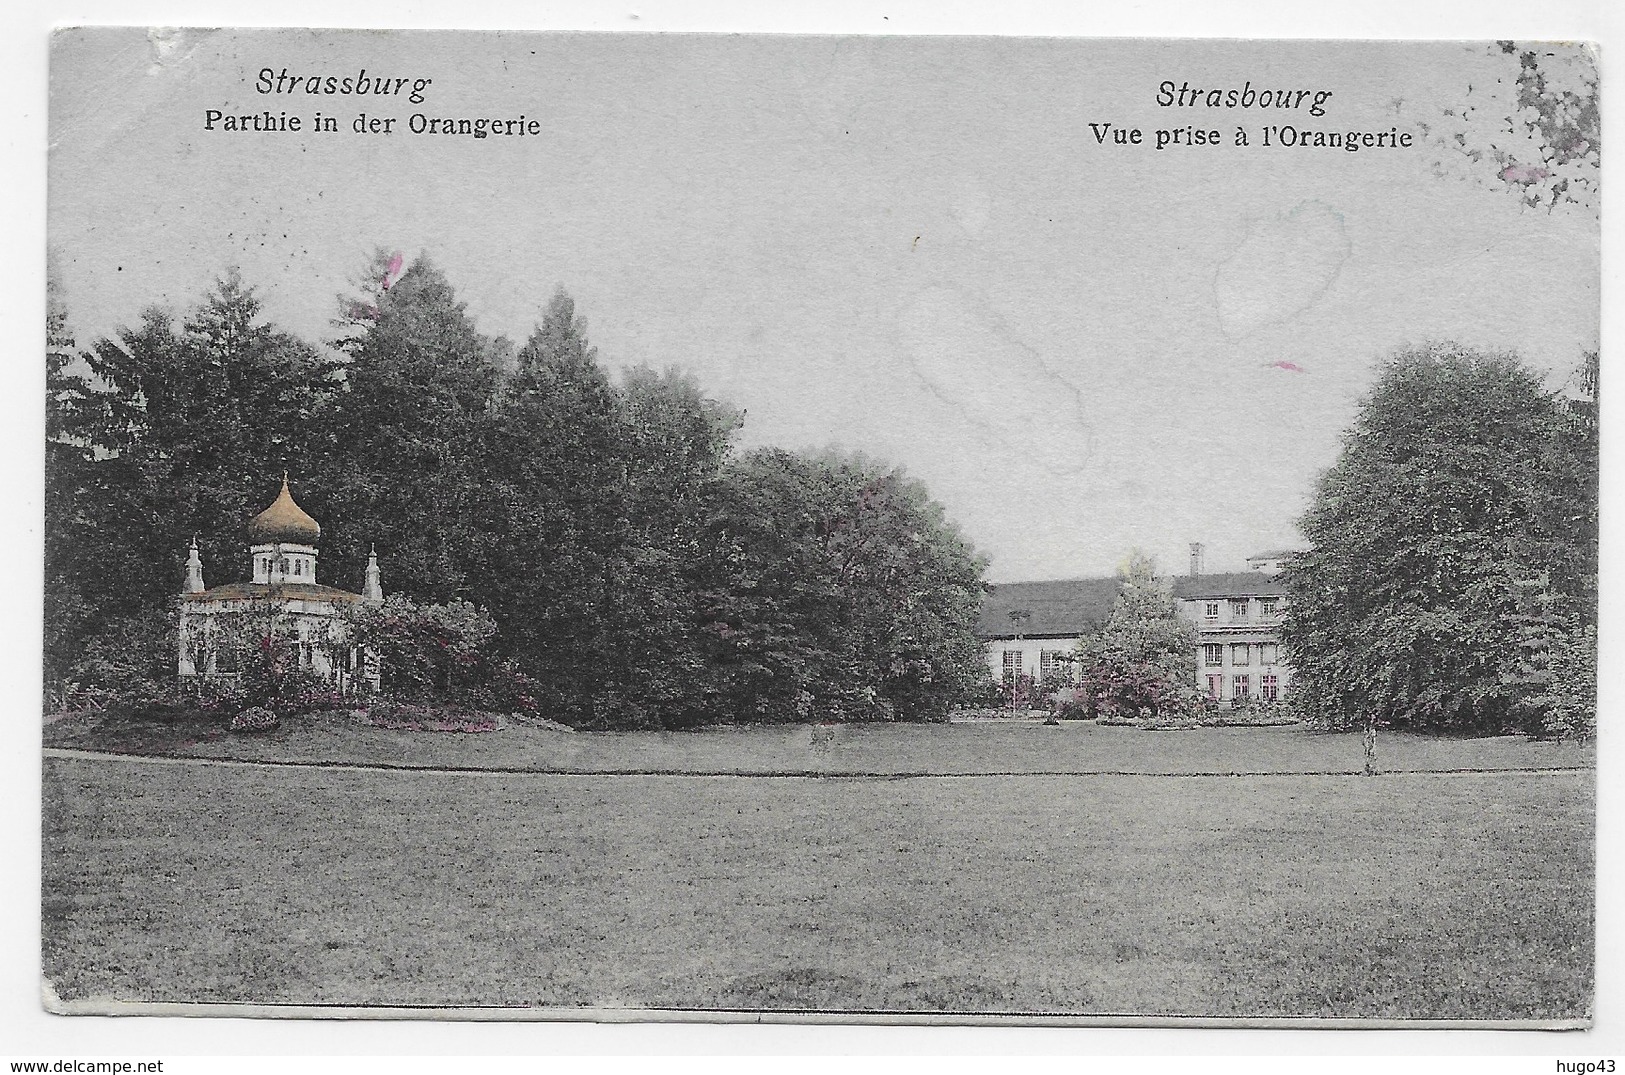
{"x": 1452, "y": 582}
{"x": 637, "y": 569}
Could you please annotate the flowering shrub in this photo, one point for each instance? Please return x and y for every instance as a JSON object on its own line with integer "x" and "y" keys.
{"x": 254, "y": 719}
{"x": 425, "y": 651}
{"x": 1074, "y": 703}
{"x": 1122, "y": 692}
{"x": 402, "y": 717}
{"x": 168, "y": 699}
{"x": 500, "y": 688}
{"x": 1248, "y": 712}
{"x": 303, "y": 689}
{"x": 1016, "y": 691}
{"x": 262, "y": 640}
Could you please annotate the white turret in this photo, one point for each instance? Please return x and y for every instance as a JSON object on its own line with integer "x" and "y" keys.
{"x": 194, "y": 570}
{"x": 373, "y": 590}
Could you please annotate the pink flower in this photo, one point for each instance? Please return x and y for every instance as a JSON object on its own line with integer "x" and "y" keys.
{"x": 393, "y": 272}
{"x": 1524, "y": 173}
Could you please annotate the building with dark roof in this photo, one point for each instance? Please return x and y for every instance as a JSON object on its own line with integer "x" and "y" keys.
{"x": 1238, "y": 628}
{"x": 1031, "y": 628}
{"x": 283, "y": 605}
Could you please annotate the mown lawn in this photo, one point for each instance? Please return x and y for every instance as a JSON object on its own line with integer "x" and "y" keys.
{"x": 854, "y": 749}
{"x": 1465, "y": 895}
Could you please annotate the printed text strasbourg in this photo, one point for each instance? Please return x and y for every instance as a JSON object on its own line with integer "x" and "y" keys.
{"x": 1187, "y": 96}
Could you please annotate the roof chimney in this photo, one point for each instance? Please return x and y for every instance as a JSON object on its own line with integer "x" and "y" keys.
{"x": 1196, "y": 558}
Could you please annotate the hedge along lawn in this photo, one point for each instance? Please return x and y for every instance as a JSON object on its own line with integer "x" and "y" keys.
{"x": 853, "y": 749}
{"x": 1410, "y": 896}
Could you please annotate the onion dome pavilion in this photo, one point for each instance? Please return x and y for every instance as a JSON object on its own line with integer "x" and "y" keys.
{"x": 282, "y": 598}
{"x": 282, "y": 541}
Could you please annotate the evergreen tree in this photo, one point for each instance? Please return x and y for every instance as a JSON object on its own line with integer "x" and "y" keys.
{"x": 554, "y": 498}
{"x": 1141, "y": 661}
{"x": 402, "y": 454}
{"x": 70, "y": 606}
{"x": 598, "y": 497}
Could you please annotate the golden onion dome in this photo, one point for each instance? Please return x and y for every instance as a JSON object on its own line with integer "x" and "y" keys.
{"x": 284, "y": 521}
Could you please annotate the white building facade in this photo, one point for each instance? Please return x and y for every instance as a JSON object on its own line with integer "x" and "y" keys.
{"x": 1031, "y": 628}
{"x": 1238, "y": 629}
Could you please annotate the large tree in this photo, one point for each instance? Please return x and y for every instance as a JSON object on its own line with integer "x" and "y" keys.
{"x": 842, "y": 591}
{"x": 553, "y": 498}
{"x": 1141, "y": 661}
{"x": 677, "y": 443}
{"x": 1461, "y": 486}
{"x": 404, "y": 443}
{"x": 596, "y": 498}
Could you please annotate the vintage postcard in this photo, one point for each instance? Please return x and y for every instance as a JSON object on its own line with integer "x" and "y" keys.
{"x": 723, "y": 527}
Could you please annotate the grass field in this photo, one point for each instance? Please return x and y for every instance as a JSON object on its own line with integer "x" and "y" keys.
{"x": 855, "y": 749}
{"x": 1425, "y": 895}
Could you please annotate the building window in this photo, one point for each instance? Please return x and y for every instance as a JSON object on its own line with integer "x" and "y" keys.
{"x": 1239, "y": 607}
{"x": 1241, "y": 653}
{"x": 1267, "y": 606}
{"x": 1269, "y": 689}
{"x": 1212, "y": 654}
{"x": 1012, "y": 662}
{"x": 1212, "y": 610}
{"x": 1215, "y": 687}
{"x": 1053, "y": 665}
{"x": 1243, "y": 687}
{"x": 1266, "y": 653}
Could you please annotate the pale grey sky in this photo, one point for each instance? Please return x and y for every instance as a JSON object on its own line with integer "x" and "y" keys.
{"x": 913, "y": 247}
